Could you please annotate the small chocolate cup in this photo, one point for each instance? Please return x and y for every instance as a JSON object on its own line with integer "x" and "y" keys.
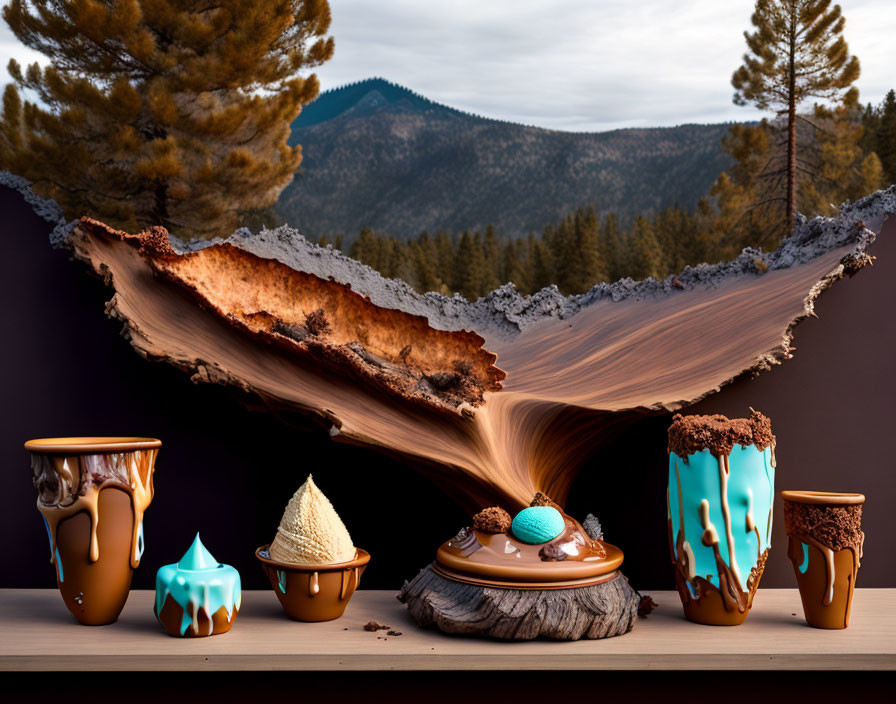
{"x": 314, "y": 592}
{"x": 826, "y": 562}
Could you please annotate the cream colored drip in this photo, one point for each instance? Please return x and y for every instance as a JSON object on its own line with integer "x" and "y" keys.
{"x": 140, "y": 492}
{"x": 768, "y": 530}
{"x": 692, "y": 563}
{"x": 710, "y": 534}
{"x": 751, "y": 523}
{"x": 861, "y": 551}
{"x": 313, "y": 584}
{"x": 724, "y": 469}
{"x": 343, "y": 584}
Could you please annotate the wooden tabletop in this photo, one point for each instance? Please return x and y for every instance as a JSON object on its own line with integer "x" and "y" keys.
{"x": 38, "y": 633}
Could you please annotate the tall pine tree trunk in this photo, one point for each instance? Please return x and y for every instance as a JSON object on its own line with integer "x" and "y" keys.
{"x": 791, "y": 128}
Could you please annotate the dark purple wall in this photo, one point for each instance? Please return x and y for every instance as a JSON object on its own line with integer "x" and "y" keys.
{"x": 228, "y": 472}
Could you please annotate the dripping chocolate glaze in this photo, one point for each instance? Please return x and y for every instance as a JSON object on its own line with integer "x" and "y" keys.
{"x": 718, "y": 434}
{"x": 69, "y": 484}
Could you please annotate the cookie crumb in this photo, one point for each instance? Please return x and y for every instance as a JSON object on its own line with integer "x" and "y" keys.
{"x": 542, "y": 500}
{"x": 646, "y": 606}
{"x": 373, "y": 627}
{"x": 493, "y": 519}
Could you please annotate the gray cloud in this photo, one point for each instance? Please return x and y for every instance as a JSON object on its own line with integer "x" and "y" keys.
{"x": 569, "y": 64}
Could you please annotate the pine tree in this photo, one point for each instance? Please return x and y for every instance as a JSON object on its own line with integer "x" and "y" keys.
{"x": 885, "y": 141}
{"x": 161, "y": 112}
{"x": 515, "y": 264}
{"x": 541, "y": 264}
{"x": 844, "y": 171}
{"x": 425, "y": 260}
{"x": 469, "y": 266}
{"x": 445, "y": 260}
{"x": 610, "y": 245}
{"x": 366, "y": 249}
{"x": 742, "y": 215}
{"x": 587, "y": 267}
{"x": 491, "y": 254}
{"x": 796, "y": 52}
{"x": 645, "y": 258}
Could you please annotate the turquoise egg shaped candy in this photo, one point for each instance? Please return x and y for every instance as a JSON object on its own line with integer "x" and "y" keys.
{"x": 538, "y": 524}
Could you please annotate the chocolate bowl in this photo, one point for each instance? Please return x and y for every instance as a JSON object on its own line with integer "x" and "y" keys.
{"x": 92, "y": 492}
{"x": 314, "y": 592}
{"x": 825, "y": 536}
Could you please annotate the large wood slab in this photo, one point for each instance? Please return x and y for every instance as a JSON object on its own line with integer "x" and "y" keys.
{"x": 39, "y": 634}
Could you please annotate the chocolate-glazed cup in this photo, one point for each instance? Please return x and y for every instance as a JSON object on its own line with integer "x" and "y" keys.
{"x": 825, "y": 547}
{"x": 719, "y": 509}
{"x": 314, "y": 592}
{"x": 92, "y": 492}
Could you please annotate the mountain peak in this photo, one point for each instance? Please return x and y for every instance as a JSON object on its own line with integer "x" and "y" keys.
{"x": 365, "y": 97}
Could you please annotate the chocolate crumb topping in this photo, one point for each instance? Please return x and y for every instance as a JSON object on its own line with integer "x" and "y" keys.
{"x": 719, "y": 434}
{"x": 542, "y": 500}
{"x": 834, "y": 526}
{"x": 492, "y": 520}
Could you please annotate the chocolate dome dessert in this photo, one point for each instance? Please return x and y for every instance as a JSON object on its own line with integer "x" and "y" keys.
{"x": 538, "y": 574}
{"x": 541, "y": 548}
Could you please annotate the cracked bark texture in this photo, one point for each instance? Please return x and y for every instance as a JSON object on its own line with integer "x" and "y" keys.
{"x": 497, "y": 398}
{"x": 598, "y": 611}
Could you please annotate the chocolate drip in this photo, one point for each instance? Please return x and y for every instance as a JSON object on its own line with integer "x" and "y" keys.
{"x": 69, "y": 484}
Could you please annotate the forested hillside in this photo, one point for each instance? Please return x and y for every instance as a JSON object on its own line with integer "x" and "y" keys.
{"x": 377, "y": 155}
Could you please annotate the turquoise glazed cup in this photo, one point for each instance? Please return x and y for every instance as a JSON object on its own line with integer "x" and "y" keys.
{"x": 720, "y": 524}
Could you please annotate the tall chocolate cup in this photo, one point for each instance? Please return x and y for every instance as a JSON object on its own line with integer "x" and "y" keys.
{"x": 825, "y": 537}
{"x": 92, "y": 492}
{"x": 719, "y": 511}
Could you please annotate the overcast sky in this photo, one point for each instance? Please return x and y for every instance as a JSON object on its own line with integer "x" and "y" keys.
{"x": 584, "y": 65}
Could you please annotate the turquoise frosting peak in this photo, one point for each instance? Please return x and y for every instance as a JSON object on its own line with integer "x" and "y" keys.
{"x": 198, "y": 582}
{"x": 197, "y": 557}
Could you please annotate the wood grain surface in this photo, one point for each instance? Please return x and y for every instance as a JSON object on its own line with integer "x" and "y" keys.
{"x": 38, "y": 633}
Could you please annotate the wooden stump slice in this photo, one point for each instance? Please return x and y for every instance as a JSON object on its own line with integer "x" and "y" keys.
{"x": 596, "y": 611}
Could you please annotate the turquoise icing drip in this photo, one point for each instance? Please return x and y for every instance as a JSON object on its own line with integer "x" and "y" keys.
{"x": 751, "y": 480}
{"x": 281, "y": 580}
{"x": 59, "y": 573}
{"x": 197, "y": 581}
{"x": 804, "y": 565}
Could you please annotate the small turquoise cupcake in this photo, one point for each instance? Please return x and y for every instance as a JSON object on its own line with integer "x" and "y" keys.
{"x": 197, "y": 596}
{"x": 538, "y": 524}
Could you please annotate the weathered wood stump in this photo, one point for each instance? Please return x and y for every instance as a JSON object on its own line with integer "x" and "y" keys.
{"x": 596, "y": 611}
